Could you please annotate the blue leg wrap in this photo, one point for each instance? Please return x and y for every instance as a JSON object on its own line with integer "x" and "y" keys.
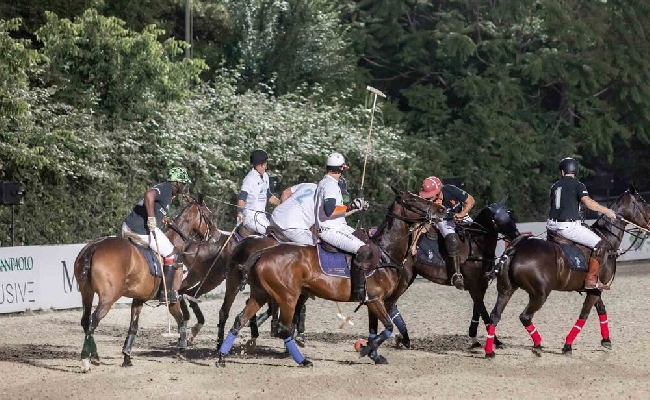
{"x": 291, "y": 345}
{"x": 227, "y": 344}
{"x": 387, "y": 333}
{"x": 397, "y": 319}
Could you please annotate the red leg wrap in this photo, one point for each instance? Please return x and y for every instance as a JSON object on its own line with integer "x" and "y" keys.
{"x": 534, "y": 334}
{"x": 489, "y": 341}
{"x": 604, "y": 326}
{"x": 573, "y": 333}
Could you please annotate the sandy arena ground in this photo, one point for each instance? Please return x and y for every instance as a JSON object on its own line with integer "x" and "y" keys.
{"x": 39, "y": 353}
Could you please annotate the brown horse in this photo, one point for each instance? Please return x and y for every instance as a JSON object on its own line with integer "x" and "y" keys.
{"x": 284, "y": 272}
{"x": 539, "y": 267}
{"x": 113, "y": 267}
{"x": 477, "y": 255}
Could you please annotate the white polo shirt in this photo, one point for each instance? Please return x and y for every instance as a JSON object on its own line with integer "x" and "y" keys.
{"x": 257, "y": 187}
{"x": 297, "y": 211}
{"x": 328, "y": 188}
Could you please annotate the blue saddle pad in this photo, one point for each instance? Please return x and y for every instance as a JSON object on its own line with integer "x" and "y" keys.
{"x": 334, "y": 264}
{"x": 155, "y": 268}
{"x": 429, "y": 252}
{"x": 577, "y": 261}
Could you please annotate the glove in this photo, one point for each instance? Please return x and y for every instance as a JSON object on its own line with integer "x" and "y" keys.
{"x": 611, "y": 214}
{"x": 359, "y": 204}
{"x": 240, "y": 218}
{"x": 151, "y": 223}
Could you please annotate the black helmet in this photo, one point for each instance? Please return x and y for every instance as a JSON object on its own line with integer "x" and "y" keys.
{"x": 259, "y": 157}
{"x": 569, "y": 166}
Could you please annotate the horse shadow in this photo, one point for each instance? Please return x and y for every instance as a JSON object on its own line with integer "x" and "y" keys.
{"x": 38, "y": 355}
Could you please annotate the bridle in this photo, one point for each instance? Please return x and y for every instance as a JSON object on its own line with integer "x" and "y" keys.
{"x": 605, "y": 225}
{"x": 203, "y": 218}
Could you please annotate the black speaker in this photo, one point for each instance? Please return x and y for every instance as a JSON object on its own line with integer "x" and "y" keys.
{"x": 11, "y": 193}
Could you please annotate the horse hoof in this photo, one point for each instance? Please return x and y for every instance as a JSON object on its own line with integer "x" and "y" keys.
{"x": 537, "y": 350}
{"x": 300, "y": 341}
{"x": 401, "y": 341}
{"x": 490, "y": 355}
{"x": 127, "y": 361}
{"x": 380, "y": 360}
{"x": 94, "y": 359}
{"x": 567, "y": 349}
{"x": 85, "y": 365}
{"x": 306, "y": 363}
{"x": 475, "y": 345}
{"x": 365, "y": 350}
{"x": 196, "y": 329}
{"x": 250, "y": 346}
{"x": 220, "y": 362}
{"x": 499, "y": 344}
{"x": 606, "y": 343}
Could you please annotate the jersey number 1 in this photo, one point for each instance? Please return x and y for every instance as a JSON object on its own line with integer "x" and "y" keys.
{"x": 558, "y": 197}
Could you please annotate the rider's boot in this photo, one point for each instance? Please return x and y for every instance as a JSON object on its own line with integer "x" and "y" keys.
{"x": 169, "y": 270}
{"x": 452, "y": 243}
{"x": 592, "y": 280}
{"x": 360, "y": 265}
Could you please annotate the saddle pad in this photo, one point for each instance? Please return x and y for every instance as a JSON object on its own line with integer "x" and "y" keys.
{"x": 429, "y": 252}
{"x": 334, "y": 264}
{"x": 152, "y": 260}
{"x": 277, "y": 239}
{"x": 238, "y": 238}
{"x": 577, "y": 261}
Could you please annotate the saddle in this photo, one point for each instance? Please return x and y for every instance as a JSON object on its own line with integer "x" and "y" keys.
{"x": 242, "y": 232}
{"x": 576, "y": 254}
{"x": 153, "y": 260}
{"x": 278, "y": 234}
{"x": 362, "y": 235}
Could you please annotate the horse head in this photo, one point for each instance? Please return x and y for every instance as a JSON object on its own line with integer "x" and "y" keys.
{"x": 502, "y": 219}
{"x": 410, "y": 207}
{"x": 194, "y": 222}
{"x": 631, "y": 206}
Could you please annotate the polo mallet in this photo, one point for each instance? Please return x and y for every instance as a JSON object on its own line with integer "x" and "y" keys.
{"x": 194, "y": 299}
{"x": 346, "y": 320}
{"x": 375, "y": 93}
{"x": 169, "y": 333}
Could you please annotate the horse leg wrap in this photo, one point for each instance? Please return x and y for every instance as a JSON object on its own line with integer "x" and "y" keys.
{"x": 489, "y": 340}
{"x": 230, "y": 340}
{"x": 293, "y": 349}
{"x": 604, "y": 326}
{"x": 128, "y": 342}
{"x": 397, "y": 319}
{"x": 573, "y": 333}
{"x": 375, "y": 342}
{"x": 87, "y": 347}
{"x": 534, "y": 334}
{"x": 182, "y": 332}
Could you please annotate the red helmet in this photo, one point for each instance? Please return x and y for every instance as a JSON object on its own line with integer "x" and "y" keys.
{"x": 431, "y": 186}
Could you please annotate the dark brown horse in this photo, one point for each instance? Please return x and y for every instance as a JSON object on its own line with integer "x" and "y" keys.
{"x": 113, "y": 267}
{"x": 478, "y": 244}
{"x": 285, "y": 272}
{"x": 539, "y": 267}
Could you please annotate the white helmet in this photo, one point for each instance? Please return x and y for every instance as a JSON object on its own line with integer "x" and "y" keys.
{"x": 335, "y": 160}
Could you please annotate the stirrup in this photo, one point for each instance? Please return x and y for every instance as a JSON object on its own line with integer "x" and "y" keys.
{"x": 458, "y": 277}
{"x": 598, "y": 286}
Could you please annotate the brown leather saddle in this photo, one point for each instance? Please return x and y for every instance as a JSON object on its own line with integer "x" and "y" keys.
{"x": 363, "y": 236}
{"x": 278, "y": 233}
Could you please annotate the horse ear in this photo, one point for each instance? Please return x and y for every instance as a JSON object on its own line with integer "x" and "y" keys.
{"x": 199, "y": 198}
{"x": 394, "y": 190}
{"x": 632, "y": 189}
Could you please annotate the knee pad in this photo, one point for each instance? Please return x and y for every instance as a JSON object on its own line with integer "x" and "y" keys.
{"x": 364, "y": 254}
{"x": 600, "y": 251}
{"x": 170, "y": 259}
{"x": 452, "y": 242}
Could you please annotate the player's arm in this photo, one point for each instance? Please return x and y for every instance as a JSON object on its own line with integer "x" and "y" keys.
{"x": 272, "y": 199}
{"x": 594, "y": 206}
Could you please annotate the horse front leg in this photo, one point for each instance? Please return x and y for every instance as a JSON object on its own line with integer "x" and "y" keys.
{"x": 591, "y": 300}
{"x": 232, "y": 288}
{"x": 377, "y": 308}
{"x": 136, "y": 308}
{"x": 477, "y": 294}
{"x": 402, "y": 339}
{"x": 175, "y": 311}
{"x": 604, "y": 324}
{"x": 495, "y": 317}
{"x": 252, "y": 306}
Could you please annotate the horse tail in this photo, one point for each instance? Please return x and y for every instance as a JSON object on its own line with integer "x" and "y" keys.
{"x": 503, "y": 271}
{"x": 85, "y": 259}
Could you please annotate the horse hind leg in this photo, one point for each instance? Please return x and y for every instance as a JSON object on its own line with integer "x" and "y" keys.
{"x": 589, "y": 302}
{"x": 136, "y": 308}
{"x": 87, "y": 296}
{"x": 175, "y": 311}
{"x": 232, "y": 288}
{"x": 377, "y": 308}
{"x": 89, "y": 351}
{"x": 285, "y": 331}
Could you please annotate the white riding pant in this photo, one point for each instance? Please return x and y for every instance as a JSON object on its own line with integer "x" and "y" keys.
{"x": 574, "y": 231}
{"x": 301, "y": 236}
{"x": 164, "y": 247}
{"x": 256, "y": 221}
{"x": 342, "y": 238}
{"x": 448, "y": 226}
